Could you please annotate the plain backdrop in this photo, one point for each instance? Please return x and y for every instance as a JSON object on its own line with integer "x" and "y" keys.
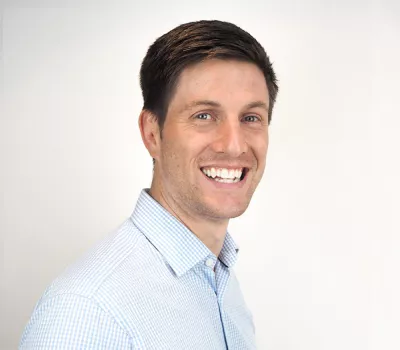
{"x": 319, "y": 261}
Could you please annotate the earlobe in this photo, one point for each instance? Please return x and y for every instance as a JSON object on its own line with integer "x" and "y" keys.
{"x": 149, "y": 130}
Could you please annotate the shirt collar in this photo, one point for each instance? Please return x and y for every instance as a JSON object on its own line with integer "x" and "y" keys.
{"x": 181, "y": 248}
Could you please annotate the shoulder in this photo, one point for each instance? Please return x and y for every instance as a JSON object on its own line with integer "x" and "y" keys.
{"x": 77, "y": 309}
{"x": 73, "y": 322}
{"x": 86, "y": 276}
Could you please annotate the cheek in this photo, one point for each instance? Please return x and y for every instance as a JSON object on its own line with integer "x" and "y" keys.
{"x": 179, "y": 149}
{"x": 190, "y": 143}
{"x": 259, "y": 144}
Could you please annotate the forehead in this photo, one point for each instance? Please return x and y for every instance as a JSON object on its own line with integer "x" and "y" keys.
{"x": 230, "y": 83}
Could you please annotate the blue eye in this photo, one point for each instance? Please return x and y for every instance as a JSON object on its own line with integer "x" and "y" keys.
{"x": 251, "y": 118}
{"x": 203, "y": 116}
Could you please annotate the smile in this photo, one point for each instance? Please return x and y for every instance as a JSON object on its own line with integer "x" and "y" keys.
{"x": 225, "y": 175}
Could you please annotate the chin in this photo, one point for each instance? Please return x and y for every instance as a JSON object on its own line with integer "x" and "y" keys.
{"x": 229, "y": 211}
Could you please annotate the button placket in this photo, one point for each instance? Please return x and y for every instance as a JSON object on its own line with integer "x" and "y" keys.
{"x": 208, "y": 269}
{"x": 210, "y": 263}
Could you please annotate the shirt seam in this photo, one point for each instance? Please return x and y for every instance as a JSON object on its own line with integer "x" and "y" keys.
{"x": 104, "y": 280}
{"x": 97, "y": 304}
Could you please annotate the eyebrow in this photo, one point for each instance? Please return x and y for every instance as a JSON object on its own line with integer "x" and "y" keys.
{"x": 200, "y": 103}
{"x": 255, "y": 104}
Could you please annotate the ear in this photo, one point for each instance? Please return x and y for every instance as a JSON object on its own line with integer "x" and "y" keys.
{"x": 150, "y": 132}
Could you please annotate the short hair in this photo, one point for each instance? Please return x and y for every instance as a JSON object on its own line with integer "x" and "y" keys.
{"x": 192, "y": 43}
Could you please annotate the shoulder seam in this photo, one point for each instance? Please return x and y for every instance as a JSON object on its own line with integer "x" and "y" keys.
{"x": 93, "y": 293}
{"x": 94, "y": 301}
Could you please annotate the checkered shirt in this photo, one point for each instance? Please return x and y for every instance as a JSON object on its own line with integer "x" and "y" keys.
{"x": 152, "y": 284}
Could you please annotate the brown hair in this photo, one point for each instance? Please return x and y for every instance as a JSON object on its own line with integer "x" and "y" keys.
{"x": 192, "y": 43}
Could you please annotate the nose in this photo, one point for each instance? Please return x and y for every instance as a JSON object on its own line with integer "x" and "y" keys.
{"x": 230, "y": 139}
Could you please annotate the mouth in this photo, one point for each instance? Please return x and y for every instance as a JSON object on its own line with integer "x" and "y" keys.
{"x": 225, "y": 175}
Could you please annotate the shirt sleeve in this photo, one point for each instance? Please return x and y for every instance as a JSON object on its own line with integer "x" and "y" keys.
{"x": 71, "y": 321}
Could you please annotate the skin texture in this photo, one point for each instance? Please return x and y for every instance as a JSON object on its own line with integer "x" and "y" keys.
{"x": 217, "y": 117}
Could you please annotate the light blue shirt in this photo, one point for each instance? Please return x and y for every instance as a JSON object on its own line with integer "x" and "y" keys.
{"x": 150, "y": 285}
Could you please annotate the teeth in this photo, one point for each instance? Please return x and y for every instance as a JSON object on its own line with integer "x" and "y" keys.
{"x": 220, "y": 174}
{"x": 227, "y": 181}
{"x": 225, "y": 173}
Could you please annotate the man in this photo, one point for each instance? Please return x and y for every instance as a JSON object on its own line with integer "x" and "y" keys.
{"x": 164, "y": 280}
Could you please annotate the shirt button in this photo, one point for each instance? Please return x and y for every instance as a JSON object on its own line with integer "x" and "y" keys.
{"x": 210, "y": 263}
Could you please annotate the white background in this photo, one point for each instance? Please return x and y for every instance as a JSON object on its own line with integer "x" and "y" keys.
{"x": 319, "y": 263}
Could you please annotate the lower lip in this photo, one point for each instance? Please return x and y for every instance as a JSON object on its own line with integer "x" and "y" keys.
{"x": 224, "y": 185}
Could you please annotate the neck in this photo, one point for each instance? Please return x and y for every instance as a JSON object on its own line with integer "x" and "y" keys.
{"x": 211, "y": 232}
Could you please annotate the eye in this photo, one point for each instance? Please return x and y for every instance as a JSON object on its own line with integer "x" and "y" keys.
{"x": 203, "y": 116}
{"x": 251, "y": 118}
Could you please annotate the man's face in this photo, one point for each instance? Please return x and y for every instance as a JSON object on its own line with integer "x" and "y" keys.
{"x": 214, "y": 142}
